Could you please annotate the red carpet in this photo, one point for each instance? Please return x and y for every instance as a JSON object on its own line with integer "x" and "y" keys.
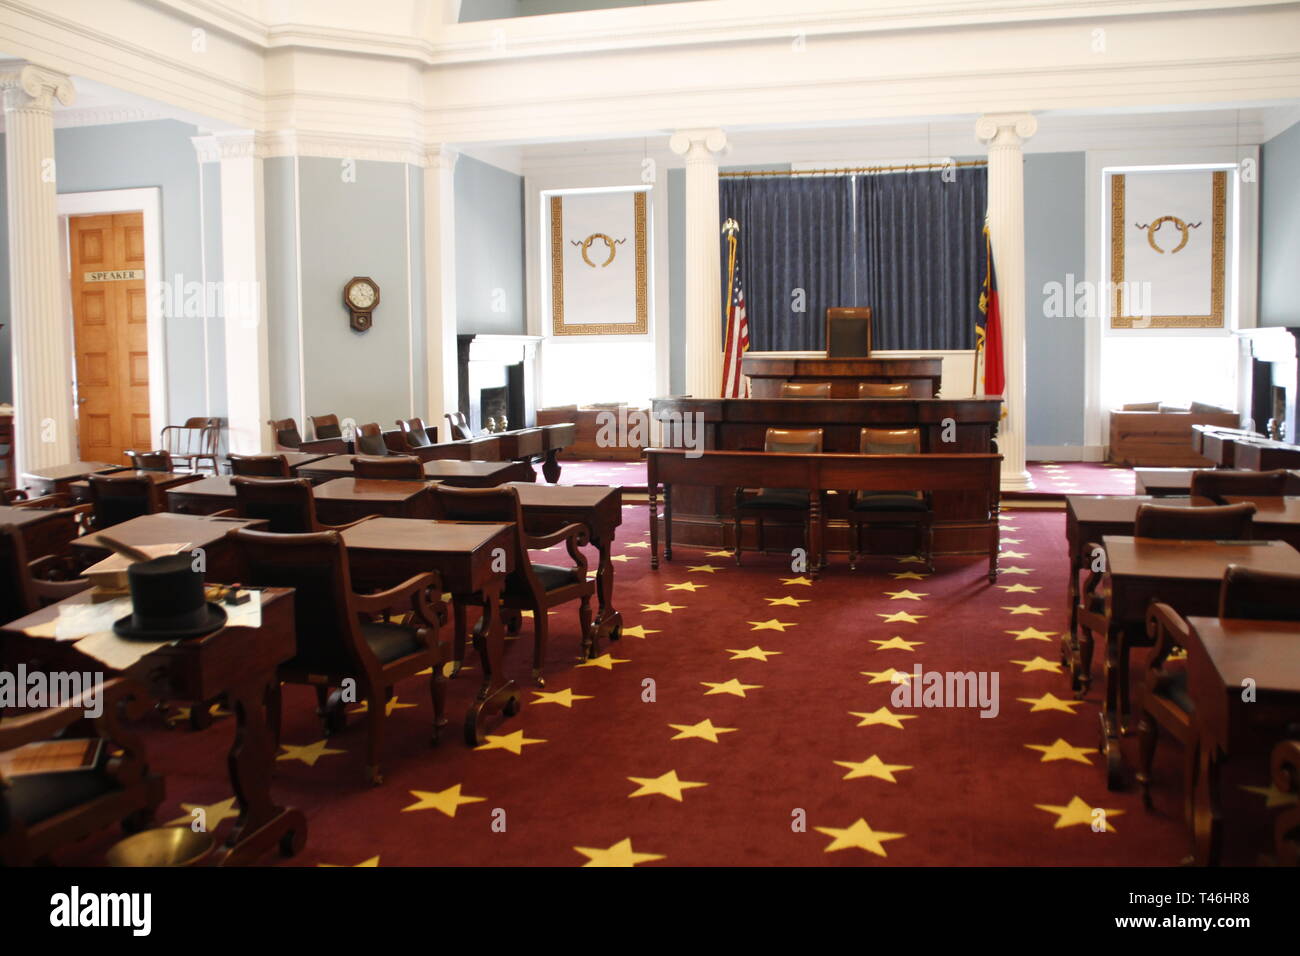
{"x": 1060, "y": 478}
{"x": 794, "y": 775}
{"x": 623, "y": 474}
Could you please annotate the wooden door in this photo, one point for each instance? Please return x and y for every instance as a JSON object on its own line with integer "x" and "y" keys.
{"x": 111, "y": 334}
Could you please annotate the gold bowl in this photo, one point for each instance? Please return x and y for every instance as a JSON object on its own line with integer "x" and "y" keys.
{"x": 163, "y": 846}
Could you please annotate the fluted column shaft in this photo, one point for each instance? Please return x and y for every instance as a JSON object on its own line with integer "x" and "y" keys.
{"x": 440, "y": 286}
{"x": 40, "y": 340}
{"x": 703, "y": 262}
{"x": 1005, "y": 134}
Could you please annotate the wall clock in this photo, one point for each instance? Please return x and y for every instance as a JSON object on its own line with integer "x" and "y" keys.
{"x": 361, "y": 296}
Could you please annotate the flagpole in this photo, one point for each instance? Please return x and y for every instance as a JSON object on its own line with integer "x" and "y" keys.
{"x": 730, "y": 227}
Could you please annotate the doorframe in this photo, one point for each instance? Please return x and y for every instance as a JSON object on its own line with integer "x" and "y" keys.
{"x": 148, "y": 202}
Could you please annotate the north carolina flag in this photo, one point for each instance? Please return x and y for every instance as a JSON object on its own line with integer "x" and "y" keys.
{"x": 988, "y": 337}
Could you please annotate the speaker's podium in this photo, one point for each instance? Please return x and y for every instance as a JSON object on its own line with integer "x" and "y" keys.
{"x": 848, "y": 361}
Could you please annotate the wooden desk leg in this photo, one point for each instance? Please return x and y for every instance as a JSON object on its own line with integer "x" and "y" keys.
{"x": 261, "y": 823}
{"x": 496, "y": 694}
{"x": 654, "y": 526}
{"x": 815, "y": 533}
{"x": 460, "y": 632}
{"x": 1207, "y": 842}
{"x": 608, "y": 620}
{"x": 551, "y": 466}
{"x": 1110, "y": 714}
{"x": 668, "y": 522}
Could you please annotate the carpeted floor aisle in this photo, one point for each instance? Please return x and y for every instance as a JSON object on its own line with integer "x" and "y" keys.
{"x": 744, "y": 718}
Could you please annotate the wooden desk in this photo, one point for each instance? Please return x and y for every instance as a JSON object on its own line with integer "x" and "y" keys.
{"x": 161, "y": 481}
{"x": 1275, "y": 519}
{"x": 473, "y": 560}
{"x": 341, "y": 500}
{"x": 206, "y": 496}
{"x": 1263, "y": 455}
{"x": 1163, "y": 482}
{"x": 44, "y": 530}
{"x": 975, "y": 474}
{"x": 1185, "y": 575}
{"x": 199, "y": 532}
{"x": 56, "y": 478}
{"x": 464, "y": 474}
{"x": 548, "y": 508}
{"x": 237, "y": 661}
{"x": 1218, "y": 443}
{"x": 768, "y": 371}
{"x": 1221, "y": 655}
{"x": 483, "y": 448}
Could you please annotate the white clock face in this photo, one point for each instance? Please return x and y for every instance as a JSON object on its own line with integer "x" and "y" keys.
{"x": 362, "y": 295}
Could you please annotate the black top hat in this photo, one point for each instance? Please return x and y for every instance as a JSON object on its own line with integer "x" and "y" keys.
{"x": 167, "y": 602}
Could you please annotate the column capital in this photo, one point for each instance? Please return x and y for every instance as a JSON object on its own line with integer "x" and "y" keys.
{"x": 441, "y": 157}
{"x": 697, "y": 144}
{"x": 35, "y": 87}
{"x": 1005, "y": 129}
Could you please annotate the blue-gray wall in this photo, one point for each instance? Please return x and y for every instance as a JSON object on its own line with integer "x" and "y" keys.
{"x": 1279, "y": 234}
{"x": 489, "y": 249}
{"x": 502, "y": 9}
{"x": 1054, "y": 250}
{"x": 279, "y": 181}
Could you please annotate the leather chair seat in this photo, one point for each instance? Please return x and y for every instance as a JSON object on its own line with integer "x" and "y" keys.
{"x": 1172, "y": 686}
{"x": 389, "y": 641}
{"x": 784, "y": 499}
{"x": 889, "y": 501}
{"x": 550, "y": 577}
{"x": 39, "y": 796}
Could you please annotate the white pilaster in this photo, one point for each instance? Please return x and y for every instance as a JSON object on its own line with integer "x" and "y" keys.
{"x": 703, "y": 263}
{"x": 1005, "y": 134}
{"x": 243, "y": 254}
{"x": 440, "y": 285}
{"x": 41, "y": 344}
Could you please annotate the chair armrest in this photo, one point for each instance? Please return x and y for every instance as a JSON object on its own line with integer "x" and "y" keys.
{"x": 344, "y": 527}
{"x": 414, "y": 590}
{"x": 57, "y": 500}
{"x": 1168, "y": 630}
{"x": 44, "y": 724}
{"x": 575, "y": 530}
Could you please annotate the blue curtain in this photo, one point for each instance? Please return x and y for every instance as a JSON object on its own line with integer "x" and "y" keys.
{"x": 909, "y": 245}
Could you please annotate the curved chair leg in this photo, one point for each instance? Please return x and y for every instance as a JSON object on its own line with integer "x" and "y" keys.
{"x": 585, "y": 628}
{"x": 541, "y": 630}
{"x": 376, "y": 713}
{"x": 737, "y": 527}
{"x": 1148, "y": 735}
{"x": 438, "y": 693}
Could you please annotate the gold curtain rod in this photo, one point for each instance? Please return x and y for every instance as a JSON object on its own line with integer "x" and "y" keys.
{"x": 848, "y": 171}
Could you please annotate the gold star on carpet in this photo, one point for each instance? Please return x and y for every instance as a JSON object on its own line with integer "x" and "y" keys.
{"x": 908, "y": 576}
{"x": 605, "y": 661}
{"x": 1033, "y": 634}
{"x": 754, "y": 653}
{"x": 665, "y": 607}
{"x": 389, "y": 707}
{"x": 214, "y": 814}
{"x": 515, "y": 742}
{"x": 887, "y": 676}
{"x": 770, "y": 625}
{"x": 1021, "y": 588}
{"x": 873, "y": 766}
{"x": 1025, "y": 609}
{"x": 704, "y": 730}
{"x": 373, "y": 861}
{"x": 1013, "y": 554}
{"x": 686, "y": 586}
{"x": 1050, "y": 701}
{"x": 1039, "y": 664}
{"x": 1060, "y": 750}
{"x": 705, "y": 568}
{"x": 801, "y": 581}
{"x": 912, "y": 559}
{"x": 665, "y": 785}
{"x": 786, "y": 601}
{"x": 1010, "y": 527}
{"x": 733, "y": 687}
{"x": 564, "y": 698}
{"x": 858, "y": 836}
{"x": 637, "y": 544}
{"x": 906, "y": 595}
{"x": 882, "y": 715}
{"x": 719, "y": 554}
{"x": 901, "y": 616}
{"x": 1077, "y": 813}
{"x": 637, "y": 631}
{"x": 1010, "y": 540}
{"x": 308, "y": 754}
{"x": 445, "y": 802}
{"x": 1273, "y": 797}
{"x": 622, "y": 558}
{"x": 1015, "y": 570}
{"x": 620, "y": 854}
{"x": 895, "y": 644}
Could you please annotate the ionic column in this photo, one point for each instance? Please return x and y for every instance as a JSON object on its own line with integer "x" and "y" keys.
{"x": 440, "y": 286}
{"x": 41, "y": 343}
{"x": 1005, "y": 133}
{"x": 703, "y": 264}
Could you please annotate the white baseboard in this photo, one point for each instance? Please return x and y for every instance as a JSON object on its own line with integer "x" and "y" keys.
{"x": 1065, "y": 453}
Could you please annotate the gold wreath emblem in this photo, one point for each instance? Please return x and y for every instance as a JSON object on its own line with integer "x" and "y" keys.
{"x": 610, "y": 244}
{"x": 1182, "y": 227}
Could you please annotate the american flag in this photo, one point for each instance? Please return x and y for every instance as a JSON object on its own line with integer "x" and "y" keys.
{"x": 735, "y": 384}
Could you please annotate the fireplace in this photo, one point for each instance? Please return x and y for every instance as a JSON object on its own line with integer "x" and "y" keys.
{"x": 1271, "y": 380}
{"x": 498, "y": 376}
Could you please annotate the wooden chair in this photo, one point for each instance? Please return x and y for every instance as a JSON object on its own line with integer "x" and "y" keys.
{"x": 401, "y": 467}
{"x": 1285, "y": 765}
{"x": 26, "y": 585}
{"x": 150, "y": 460}
{"x": 287, "y": 505}
{"x": 346, "y": 636}
{"x": 884, "y": 389}
{"x": 417, "y": 432}
{"x": 891, "y": 508}
{"x": 43, "y": 812}
{"x": 1217, "y": 522}
{"x": 192, "y": 444}
{"x": 531, "y": 587}
{"x": 370, "y": 440}
{"x": 1218, "y": 484}
{"x": 805, "y": 389}
{"x": 259, "y": 466}
{"x": 117, "y": 498}
{"x": 457, "y": 426}
{"x": 781, "y": 502}
{"x": 1166, "y": 703}
{"x": 325, "y": 426}
{"x": 286, "y": 433}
